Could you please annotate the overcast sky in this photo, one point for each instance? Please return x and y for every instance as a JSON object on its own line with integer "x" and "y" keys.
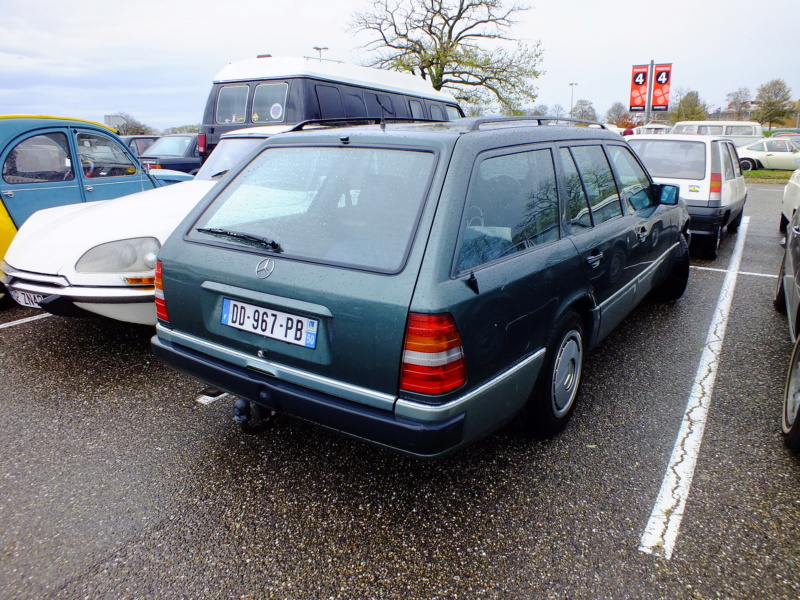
{"x": 155, "y": 60}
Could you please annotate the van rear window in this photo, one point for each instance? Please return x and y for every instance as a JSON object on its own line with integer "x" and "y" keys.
{"x": 672, "y": 158}
{"x": 232, "y": 104}
{"x": 355, "y": 207}
{"x": 269, "y": 102}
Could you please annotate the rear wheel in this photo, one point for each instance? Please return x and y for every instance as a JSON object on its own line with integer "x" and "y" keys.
{"x": 709, "y": 244}
{"x": 783, "y": 223}
{"x": 733, "y": 226}
{"x": 790, "y": 424}
{"x": 552, "y": 400}
{"x": 747, "y": 164}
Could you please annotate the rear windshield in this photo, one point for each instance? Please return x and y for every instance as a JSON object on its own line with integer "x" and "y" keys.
{"x": 355, "y": 207}
{"x": 672, "y": 158}
{"x": 171, "y": 146}
{"x": 226, "y": 155}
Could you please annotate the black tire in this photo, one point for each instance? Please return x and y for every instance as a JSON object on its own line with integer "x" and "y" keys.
{"x": 784, "y": 222}
{"x": 747, "y": 164}
{"x": 552, "y": 400}
{"x": 6, "y": 301}
{"x": 710, "y": 244}
{"x": 733, "y": 226}
{"x": 676, "y": 282}
{"x": 790, "y": 423}
{"x": 779, "y": 295}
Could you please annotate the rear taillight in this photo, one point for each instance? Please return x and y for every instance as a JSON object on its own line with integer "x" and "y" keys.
{"x": 716, "y": 186}
{"x": 201, "y": 143}
{"x": 433, "y": 358}
{"x": 161, "y": 306}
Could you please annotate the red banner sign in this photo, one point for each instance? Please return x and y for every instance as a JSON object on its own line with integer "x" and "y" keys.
{"x": 662, "y": 74}
{"x": 639, "y": 88}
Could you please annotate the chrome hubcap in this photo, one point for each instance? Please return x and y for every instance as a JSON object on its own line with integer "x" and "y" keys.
{"x": 566, "y": 373}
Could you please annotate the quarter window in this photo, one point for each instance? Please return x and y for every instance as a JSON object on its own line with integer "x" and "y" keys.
{"x": 512, "y": 204}
{"x": 39, "y": 158}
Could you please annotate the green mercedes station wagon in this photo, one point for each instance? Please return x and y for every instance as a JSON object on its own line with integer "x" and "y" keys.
{"x": 417, "y": 285}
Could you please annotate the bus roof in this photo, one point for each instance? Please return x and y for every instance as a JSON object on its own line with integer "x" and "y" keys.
{"x": 282, "y": 67}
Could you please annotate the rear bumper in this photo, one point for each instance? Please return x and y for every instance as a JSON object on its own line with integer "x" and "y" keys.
{"x": 704, "y": 220}
{"x": 422, "y": 438}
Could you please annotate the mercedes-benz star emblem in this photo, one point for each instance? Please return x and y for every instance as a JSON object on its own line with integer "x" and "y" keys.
{"x": 265, "y": 268}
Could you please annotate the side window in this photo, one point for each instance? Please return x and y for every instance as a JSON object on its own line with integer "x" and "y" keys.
{"x": 452, "y": 112}
{"x": 598, "y": 182}
{"x": 737, "y": 169}
{"x": 739, "y": 130}
{"x": 577, "y": 201}
{"x": 633, "y": 180}
{"x": 436, "y": 112}
{"x": 354, "y": 105}
{"x": 232, "y": 104}
{"x": 759, "y": 147}
{"x": 416, "y": 109}
{"x": 330, "y": 102}
{"x": 512, "y": 204}
{"x": 43, "y": 157}
{"x": 269, "y": 102}
{"x": 103, "y": 157}
{"x": 727, "y": 163}
{"x": 378, "y": 105}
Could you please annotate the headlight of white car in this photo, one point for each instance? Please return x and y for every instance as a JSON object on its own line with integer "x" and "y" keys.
{"x": 123, "y": 256}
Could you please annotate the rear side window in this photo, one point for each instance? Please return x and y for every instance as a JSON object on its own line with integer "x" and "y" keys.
{"x": 739, "y": 130}
{"x": 672, "y": 158}
{"x": 269, "y": 102}
{"x": 330, "y": 102}
{"x": 727, "y": 163}
{"x": 416, "y": 109}
{"x": 710, "y": 129}
{"x": 684, "y": 129}
{"x": 512, "y": 204}
{"x": 737, "y": 169}
{"x": 378, "y": 105}
{"x": 354, "y": 207}
{"x": 232, "y": 104}
{"x": 597, "y": 182}
{"x": 39, "y": 158}
{"x": 103, "y": 157}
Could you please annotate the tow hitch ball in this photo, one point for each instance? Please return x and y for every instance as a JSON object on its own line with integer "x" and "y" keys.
{"x": 251, "y": 418}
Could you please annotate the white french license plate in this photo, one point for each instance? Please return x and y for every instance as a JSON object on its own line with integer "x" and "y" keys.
{"x": 270, "y": 323}
{"x": 27, "y": 299}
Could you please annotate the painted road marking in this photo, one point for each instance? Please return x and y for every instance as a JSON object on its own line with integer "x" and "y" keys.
{"x": 28, "y": 320}
{"x": 665, "y": 520}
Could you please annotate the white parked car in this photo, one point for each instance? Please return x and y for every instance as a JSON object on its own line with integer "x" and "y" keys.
{"x": 100, "y": 257}
{"x": 791, "y": 199}
{"x": 772, "y": 153}
{"x": 706, "y": 168}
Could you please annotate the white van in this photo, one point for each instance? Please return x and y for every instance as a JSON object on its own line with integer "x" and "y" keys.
{"x": 707, "y": 170}
{"x": 273, "y": 90}
{"x": 741, "y": 132}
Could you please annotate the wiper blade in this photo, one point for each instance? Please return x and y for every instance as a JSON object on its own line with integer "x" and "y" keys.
{"x": 220, "y": 174}
{"x": 240, "y": 235}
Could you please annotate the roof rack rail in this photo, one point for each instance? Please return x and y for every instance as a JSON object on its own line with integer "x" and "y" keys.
{"x": 477, "y": 122}
{"x": 348, "y": 121}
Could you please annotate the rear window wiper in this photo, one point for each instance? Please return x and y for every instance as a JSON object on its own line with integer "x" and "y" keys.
{"x": 240, "y": 235}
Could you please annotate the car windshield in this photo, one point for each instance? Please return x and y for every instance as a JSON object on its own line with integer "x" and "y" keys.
{"x": 171, "y": 146}
{"x": 355, "y": 207}
{"x": 676, "y": 159}
{"x": 226, "y": 155}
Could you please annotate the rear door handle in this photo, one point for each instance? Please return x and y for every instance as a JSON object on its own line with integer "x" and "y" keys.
{"x": 89, "y": 188}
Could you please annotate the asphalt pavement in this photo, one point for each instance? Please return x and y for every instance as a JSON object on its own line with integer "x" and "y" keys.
{"x": 115, "y": 482}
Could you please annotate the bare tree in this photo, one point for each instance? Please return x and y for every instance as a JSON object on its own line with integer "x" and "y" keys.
{"x": 439, "y": 40}
{"x": 584, "y": 109}
{"x": 617, "y": 113}
{"x": 132, "y": 126}
{"x": 739, "y": 102}
{"x": 557, "y": 111}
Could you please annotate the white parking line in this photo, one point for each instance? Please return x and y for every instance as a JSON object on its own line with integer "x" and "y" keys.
{"x": 773, "y": 276}
{"x": 665, "y": 520}
{"x": 28, "y": 320}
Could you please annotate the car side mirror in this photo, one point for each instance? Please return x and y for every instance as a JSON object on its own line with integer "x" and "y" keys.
{"x": 669, "y": 194}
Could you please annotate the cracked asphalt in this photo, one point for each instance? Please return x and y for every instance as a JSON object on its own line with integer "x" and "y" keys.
{"x": 116, "y": 483}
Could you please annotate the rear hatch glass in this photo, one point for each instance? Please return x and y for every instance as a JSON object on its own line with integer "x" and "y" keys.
{"x": 350, "y": 206}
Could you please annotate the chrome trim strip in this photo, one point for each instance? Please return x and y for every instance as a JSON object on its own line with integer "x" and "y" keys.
{"x": 641, "y": 277}
{"x": 405, "y": 403}
{"x": 290, "y": 374}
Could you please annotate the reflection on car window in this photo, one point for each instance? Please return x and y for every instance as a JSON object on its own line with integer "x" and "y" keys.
{"x": 354, "y": 207}
{"x": 232, "y": 104}
{"x": 39, "y": 158}
{"x": 512, "y": 204}
{"x": 103, "y": 157}
{"x": 633, "y": 180}
{"x": 598, "y": 182}
{"x": 173, "y": 145}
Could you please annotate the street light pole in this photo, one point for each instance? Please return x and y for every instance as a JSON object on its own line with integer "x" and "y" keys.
{"x": 320, "y": 49}
{"x": 571, "y": 96}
